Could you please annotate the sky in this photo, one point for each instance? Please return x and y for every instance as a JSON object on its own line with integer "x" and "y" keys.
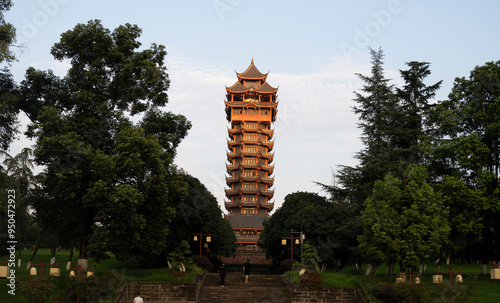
{"x": 312, "y": 51}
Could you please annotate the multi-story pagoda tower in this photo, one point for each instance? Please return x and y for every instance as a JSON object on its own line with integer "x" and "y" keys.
{"x": 251, "y": 108}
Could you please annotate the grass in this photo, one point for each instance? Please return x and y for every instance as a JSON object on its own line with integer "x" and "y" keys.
{"x": 482, "y": 288}
{"x": 110, "y": 272}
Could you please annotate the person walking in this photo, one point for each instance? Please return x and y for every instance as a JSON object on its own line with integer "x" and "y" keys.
{"x": 138, "y": 299}
{"x": 222, "y": 274}
{"x": 246, "y": 269}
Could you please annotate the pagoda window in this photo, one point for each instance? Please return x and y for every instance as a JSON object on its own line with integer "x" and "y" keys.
{"x": 250, "y": 160}
{"x": 248, "y": 198}
{"x": 251, "y": 136}
{"x": 251, "y": 125}
{"x": 251, "y": 111}
{"x": 236, "y": 111}
{"x": 247, "y": 210}
{"x": 250, "y": 148}
{"x": 249, "y": 173}
{"x": 265, "y": 112}
{"x": 248, "y": 185}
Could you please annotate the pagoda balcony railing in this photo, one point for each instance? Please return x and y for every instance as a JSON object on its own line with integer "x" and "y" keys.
{"x": 252, "y": 117}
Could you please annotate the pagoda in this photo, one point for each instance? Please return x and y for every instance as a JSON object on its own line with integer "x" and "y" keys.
{"x": 251, "y": 107}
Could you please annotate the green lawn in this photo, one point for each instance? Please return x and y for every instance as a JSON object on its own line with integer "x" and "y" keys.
{"x": 482, "y": 288}
{"x": 111, "y": 273}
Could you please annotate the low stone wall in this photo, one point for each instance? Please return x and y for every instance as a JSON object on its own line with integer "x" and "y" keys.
{"x": 162, "y": 292}
{"x": 328, "y": 295}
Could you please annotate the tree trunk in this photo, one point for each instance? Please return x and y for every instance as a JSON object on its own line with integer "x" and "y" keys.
{"x": 70, "y": 258}
{"x": 20, "y": 257}
{"x": 82, "y": 256}
{"x": 368, "y": 270}
{"x": 53, "y": 251}
{"x": 40, "y": 238}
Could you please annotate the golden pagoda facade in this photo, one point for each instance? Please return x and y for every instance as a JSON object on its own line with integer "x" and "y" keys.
{"x": 251, "y": 107}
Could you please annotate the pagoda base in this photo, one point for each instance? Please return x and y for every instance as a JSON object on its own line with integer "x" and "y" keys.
{"x": 248, "y": 251}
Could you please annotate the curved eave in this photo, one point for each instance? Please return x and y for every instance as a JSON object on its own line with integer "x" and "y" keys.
{"x": 269, "y": 144}
{"x": 231, "y": 167}
{"x": 249, "y": 191}
{"x": 231, "y": 192}
{"x": 267, "y": 168}
{"x": 233, "y": 130}
{"x": 233, "y": 143}
{"x": 268, "y": 193}
{"x": 267, "y": 205}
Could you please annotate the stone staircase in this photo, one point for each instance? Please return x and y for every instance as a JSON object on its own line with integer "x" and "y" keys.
{"x": 260, "y": 288}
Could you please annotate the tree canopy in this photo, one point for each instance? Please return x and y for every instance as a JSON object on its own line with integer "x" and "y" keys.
{"x": 111, "y": 174}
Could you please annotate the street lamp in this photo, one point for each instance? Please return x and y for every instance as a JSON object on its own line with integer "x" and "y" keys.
{"x": 208, "y": 239}
{"x": 283, "y": 242}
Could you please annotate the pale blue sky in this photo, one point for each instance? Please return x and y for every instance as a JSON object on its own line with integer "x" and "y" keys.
{"x": 312, "y": 50}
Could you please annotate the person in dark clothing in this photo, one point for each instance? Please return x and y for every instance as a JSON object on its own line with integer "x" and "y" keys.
{"x": 246, "y": 270}
{"x": 222, "y": 274}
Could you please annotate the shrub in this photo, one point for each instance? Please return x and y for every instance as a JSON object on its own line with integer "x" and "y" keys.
{"x": 286, "y": 265}
{"x": 310, "y": 280}
{"x": 36, "y": 288}
{"x": 292, "y": 277}
{"x": 202, "y": 262}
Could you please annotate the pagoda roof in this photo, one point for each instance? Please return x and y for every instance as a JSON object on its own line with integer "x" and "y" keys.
{"x": 237, "y": 88}
{"x": 266, "y": 88}
{"x": 252, "y": 73}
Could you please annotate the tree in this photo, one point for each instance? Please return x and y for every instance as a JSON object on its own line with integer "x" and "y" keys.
{"x": 324, "y": 224}
{"x": 405, "y": 223}
{"x": 7, "y": 34}
{"x": 414, "y": 97}
{"x": 464, "y": 157}
{"x": 8, "y": 109}
{"x": 196, "y": 210}
{"x": 8, "y": 106}
{"x": 110, "y": 175}
{"x": 19, "y": 169}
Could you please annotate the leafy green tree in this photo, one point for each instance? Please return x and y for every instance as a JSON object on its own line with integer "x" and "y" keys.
{"x": 405, "y": 223}
{"x": 109, "y": 174}
{"x": 8, "y": 108}
{"x": 196, "y": 210}
{"x": 19, "y": 169}
{"x": 8, "y": 100}
{"x": 325, "y": 225}
{"x": 7, "y": 34}
{"x": 464, "y": 157}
